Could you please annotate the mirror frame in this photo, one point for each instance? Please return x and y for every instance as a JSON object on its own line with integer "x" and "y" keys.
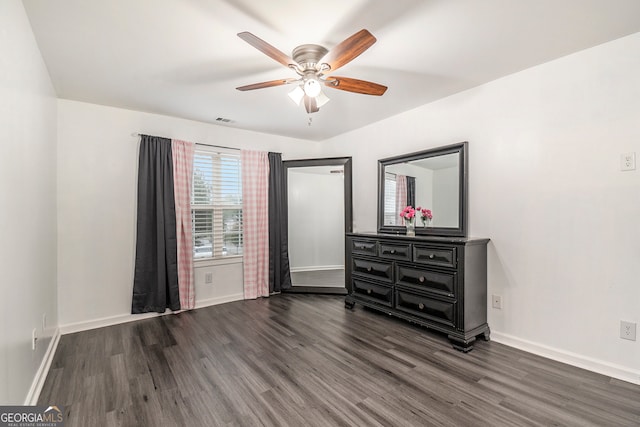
{"x": 461, "y": 230}
{"x": 346, "y": 163}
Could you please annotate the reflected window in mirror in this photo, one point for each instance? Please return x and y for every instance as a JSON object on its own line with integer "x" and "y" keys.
{"x": 400, "y": 192}
{"x": 390, "y": 209}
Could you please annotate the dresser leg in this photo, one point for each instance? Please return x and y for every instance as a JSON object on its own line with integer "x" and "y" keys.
{"x": 348, "y": 303}
{"x": 487, "y": 334}
{"x": 461, "y": 344}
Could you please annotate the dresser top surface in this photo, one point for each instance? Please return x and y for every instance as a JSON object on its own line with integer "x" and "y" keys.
{"x": 422, "y": 238}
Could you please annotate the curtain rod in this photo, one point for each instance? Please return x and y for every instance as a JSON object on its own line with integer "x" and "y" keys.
{"x": 196, "y": 143}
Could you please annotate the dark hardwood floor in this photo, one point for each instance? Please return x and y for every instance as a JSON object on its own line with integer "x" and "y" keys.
{"x": 298, "y": 360}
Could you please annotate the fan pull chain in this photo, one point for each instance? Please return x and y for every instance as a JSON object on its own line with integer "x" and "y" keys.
{"x": 310, "y": 120}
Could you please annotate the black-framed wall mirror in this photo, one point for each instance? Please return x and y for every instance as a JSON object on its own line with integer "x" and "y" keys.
{"x": 319, "y": 213}
{"x": 435, "y": 179}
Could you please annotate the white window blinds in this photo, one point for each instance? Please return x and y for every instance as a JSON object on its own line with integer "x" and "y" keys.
{"x": 390, "y": 199}
{"x": 216, "y": 204}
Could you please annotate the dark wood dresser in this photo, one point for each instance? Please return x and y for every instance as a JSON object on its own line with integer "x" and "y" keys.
{"x": 436, "y": 282}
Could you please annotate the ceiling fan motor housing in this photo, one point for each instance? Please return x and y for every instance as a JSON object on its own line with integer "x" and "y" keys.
{"x": 308, "y": 55}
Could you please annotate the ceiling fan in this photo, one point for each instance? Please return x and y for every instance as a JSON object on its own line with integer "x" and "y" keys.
{"x": 312, "y": 62}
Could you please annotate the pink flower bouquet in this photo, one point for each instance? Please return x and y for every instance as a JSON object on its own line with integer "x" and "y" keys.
{"x": 425, "y": 215}
{"x": 408, "y": 214}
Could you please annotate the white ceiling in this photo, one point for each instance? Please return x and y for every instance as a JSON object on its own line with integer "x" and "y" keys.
{"x": 183, "y": 58}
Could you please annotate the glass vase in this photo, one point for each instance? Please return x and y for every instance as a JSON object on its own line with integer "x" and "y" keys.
{"x": 411, "y": 230}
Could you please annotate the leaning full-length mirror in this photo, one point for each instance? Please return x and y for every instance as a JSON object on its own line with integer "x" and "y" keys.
{"x": 319, "y": 214}
{"x": 435, "y": 180}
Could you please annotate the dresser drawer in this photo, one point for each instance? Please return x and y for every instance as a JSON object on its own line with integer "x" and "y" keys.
{"x": 365, "y": 247}
{"x": 433, "y": 281}
{"x": 395, "y": 251}
{"x": 424, "y": 307}
{"x": 374, "y": 292}
{"x": 377, "y": 269}
{"x": 443, "y": 257}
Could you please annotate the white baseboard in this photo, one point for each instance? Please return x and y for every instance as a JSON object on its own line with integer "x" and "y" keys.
{"x": 605, "y": 368}
{"x": 317, "y": 267}
{"x": 43, "y": 371}
{"x": 71, "y": 328}
{"x": 219, "y": 300}
{"x": 86, "y": 325}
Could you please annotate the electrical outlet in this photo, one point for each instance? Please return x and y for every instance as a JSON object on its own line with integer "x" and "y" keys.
{"x": 628, "y": 162}
{"x": 627, "y": 330}
{"x": 34, "y": 338}
{"x": 496, "y": 301}
{"x": 208, "y": 278}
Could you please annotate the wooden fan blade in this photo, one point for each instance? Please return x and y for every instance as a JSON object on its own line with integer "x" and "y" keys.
{"x": 355, "y": 85}
{"x": 263, "y": 85}
{"x": 267, "y": 49}
{"x": 310, "y": 104}
{"x": 348, "y": 49}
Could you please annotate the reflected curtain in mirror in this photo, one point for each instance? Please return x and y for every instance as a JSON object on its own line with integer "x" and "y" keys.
{"x": 401, "y": 198}
{"x": 411, "y": 191}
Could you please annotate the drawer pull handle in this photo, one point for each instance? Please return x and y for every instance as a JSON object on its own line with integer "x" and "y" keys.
{"x": 421, "y": 306}
{"x": 369, "y": 268}
{"x": 368, "y": 291}
{"x": 431, "y": 256}
{"x": 393, "y": 251}
{"x": 421, "y": 279}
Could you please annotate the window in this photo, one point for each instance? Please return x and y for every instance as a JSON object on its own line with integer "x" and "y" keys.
{"x": 216, "y": 205}
{"x": 389, "y": 199}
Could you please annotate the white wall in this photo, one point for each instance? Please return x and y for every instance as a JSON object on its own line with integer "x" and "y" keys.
{"x": 316, "y": 220}
{"x": 546, "y": 187}
{"x": 424, "y": 189}
{"x": 97, "y": 175}
{"x": 27, "y": 204}
{"x": 446, "y": 197}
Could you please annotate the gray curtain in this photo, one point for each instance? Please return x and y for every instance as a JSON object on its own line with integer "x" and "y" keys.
{"x": 155, "y": 283}
{"x": 279, "y": 272}
{"x": 411, "y": 191}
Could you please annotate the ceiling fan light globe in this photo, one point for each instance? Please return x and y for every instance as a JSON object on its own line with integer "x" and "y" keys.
{"x": 296, "y": 95}
{"x": 312, "y": 88}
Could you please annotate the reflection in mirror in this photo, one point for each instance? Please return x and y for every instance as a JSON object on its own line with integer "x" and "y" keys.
{"x": 319, "y": 211}
{"x": 434, "y": 179}
{"x": 316, "y": 225}
{"x": 430, "y": 183}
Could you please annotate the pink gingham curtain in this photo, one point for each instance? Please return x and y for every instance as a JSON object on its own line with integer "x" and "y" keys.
{"x": 401, "y": 197}
{"x": 182, "y": 152}
{"x": 255, "y": 223}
